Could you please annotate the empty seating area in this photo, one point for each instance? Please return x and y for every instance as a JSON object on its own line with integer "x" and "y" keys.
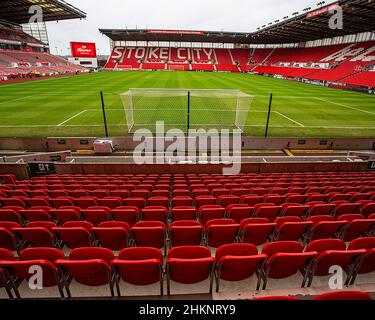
{"x": 17, "y": 64}
{"x": 12, "y": 34}
{"x": 344, "y": 63}
{"x": 149, "y": 229}
{"x": 24, "y": 58}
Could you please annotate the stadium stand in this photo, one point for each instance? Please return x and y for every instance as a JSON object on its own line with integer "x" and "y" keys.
{"x": 348, "y": 64}
{"x": 28, "y": 61}
{"x": 32, "y": 220}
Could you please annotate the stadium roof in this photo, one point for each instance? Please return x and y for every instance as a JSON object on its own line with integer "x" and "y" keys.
{"x": 17, "y": 11}
{"x": 311, "y": 25}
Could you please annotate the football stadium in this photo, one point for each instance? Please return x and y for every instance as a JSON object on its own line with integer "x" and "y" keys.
{"x": 177, "y": 163}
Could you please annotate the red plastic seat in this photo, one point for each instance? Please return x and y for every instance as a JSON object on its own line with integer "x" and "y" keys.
{"x": 256, "y": 231}
{"x": 276, "y": 199}
{"x": 181, "y": 192}
{"x": 13, "y": 202}
{"x": 138, "y": 202}
{"x": 111, "y": 202}
{"x": 183, "y": 213}
{"x": 326, "y": 259}
{"x": 227, "y": 200}
{"x": 75, "y": 234}
{"x": 295, "y": 198}
{"x": 155, "y": 213}
{"x": 250, "y": 199}
{"x": 139, "y": 266}
{"x": 7, "y": 239}
{"x": 236, "y": 262}
{"x": 217, "y": 192}
{"x": 179, "y": 201}
{"x": 10, "y": 215}
{"x": 239, "y": 212}
{"x": 285, "y": 259}
{"x": 293, "y": 210}
{"x": 221, "y": 231}
{"x": 35, "y": 236}
{"x": 366, "y": 263}
{"x": 130, "y": 215}
{"x": 321, "y": 209}
{"x": 185, "y": 233}
{"x": 32, "y": 215}
{"x": 61, "y": 202}
{"x": 346, "y": 208}
{"x": 120, "y": 193}
{"x": 158, "y": 202}
{"x": 37, "y": 202}
{"x": 197, "y": 192}
{"x": 204, "y": 201}
{"x": 99, "y": 193}
{"x": 325, "y": 230}
{"x": 19, "y": 271}
{"x": 268, "y": 212}
{"x": 88, "y": 266}
{"x": 150, "y": 234}
{"x": 86, "y": 202}
{"x": 291, "y": 230}
{"x": 367, "y": 209}
{"x": 357, "y": 228}
{"x": 112, "y": 235}
{"x": 65, "y": 215}
{"x": 96, "y": 216}
{"x": 188, "y": 265}
{"x": 210, "y": 212}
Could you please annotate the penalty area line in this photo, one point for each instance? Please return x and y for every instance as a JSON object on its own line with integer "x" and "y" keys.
{"x": 345, "y": 106}
{"x": 294, "y": 121}
{"x": 71, "y": 118}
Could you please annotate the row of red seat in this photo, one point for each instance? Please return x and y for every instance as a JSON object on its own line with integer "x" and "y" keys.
{"x": 223, "y": 197}
{"x": 116, "y": 235}
{"x": 189, "y": 264}
{"x": 194, "y": 189}
{"x": 183, "y": 210}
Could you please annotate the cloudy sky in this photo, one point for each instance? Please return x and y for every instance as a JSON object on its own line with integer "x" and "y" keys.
{"x": 234, "y": 15}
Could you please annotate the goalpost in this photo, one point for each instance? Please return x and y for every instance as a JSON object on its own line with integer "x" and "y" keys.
{"x": 176, "y": 67}
{"x": 186, "y": 108}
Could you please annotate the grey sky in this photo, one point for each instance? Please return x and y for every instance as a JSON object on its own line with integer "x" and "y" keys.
{"x": 234, "y": 15}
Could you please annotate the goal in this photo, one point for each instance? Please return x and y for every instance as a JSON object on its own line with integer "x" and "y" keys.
{"x": 186, "y": 108}
{"x": 176, "y": 67}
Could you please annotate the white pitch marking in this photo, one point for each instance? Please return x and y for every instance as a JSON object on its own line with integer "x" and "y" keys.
{"x": 345, "y": 106}
{"x": 17, "y": 99}
{"x": 181, "y": 124}
{"x": 71, "y": 118}
{"x": 284, "y": 116}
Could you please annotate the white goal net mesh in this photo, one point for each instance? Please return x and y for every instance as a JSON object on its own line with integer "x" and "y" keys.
{"x": 186, "y": 108}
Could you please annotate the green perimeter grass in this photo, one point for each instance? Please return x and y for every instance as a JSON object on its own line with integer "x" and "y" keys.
{"x": 71, "y": 106}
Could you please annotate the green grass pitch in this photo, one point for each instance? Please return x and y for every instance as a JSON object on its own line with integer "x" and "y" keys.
{"x": 71, "y": 106}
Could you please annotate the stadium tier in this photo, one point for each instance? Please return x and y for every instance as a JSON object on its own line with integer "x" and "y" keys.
{"x": 262, "y": 226}
{"x": 338, "y": 63}
{"x": 22, "y": 56}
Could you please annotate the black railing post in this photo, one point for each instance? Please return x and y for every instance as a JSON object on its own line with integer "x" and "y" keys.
{"x": 104, "y": 115}
{"x": 188, "y": 112}
{"x": 269, "y": 115}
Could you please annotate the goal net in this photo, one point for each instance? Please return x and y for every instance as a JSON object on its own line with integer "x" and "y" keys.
{"x": 176, "y": 67}
{"x": 186, "y": 108}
